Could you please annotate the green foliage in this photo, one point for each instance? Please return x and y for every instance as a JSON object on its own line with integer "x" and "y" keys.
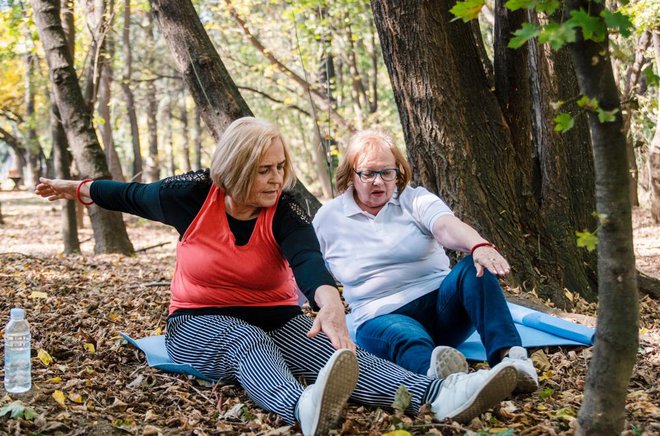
{"x": 563, "y": 122}
{"x": 558, "y": 34}
{"x": 588, "y": 103}
{"x": 524, "y": 34}
{"x": 18, "y": 410}
{"x": 619, "y": 21}
{"x": 546, "y": 393}
{"x": 587, "y": 240}
{"x": 467, "y": 10}
{"x": 547, "y": 6}
{"x": 593, "y": 28}
{"x": 607, "y": 116}
{"x": 652, "y": 79}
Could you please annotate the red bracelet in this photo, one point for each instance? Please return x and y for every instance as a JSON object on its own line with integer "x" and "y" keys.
{"x": 78, "y": 192}
{"x": 482, "y": 244}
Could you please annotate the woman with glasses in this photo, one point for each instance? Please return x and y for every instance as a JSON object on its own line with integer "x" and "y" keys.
{"x": 244, "y": 247}
{"x": 385, "y": 242}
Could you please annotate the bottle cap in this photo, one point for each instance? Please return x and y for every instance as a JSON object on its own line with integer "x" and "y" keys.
{"x": 17, "y": 313}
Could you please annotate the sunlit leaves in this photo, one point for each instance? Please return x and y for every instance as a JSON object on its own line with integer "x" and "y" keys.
{"x": 557, "y": 34}
{"x": 606, "y": 116}
{"x": 59, "y": 397}
{"x": 588, "y": 103}
{"x": 547, "y": 6}
{"x": 593, "y": 28}
{"x": 467, "y": 10}
{"x": 617, "y": 20}
{"x": 563, "y": 122}
{"x": 587, "y": 240}
{"x": 524, "y": 34}
{"x": 44, "y": 357}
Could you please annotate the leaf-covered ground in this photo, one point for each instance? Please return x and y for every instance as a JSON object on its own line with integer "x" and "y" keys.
{"x": 88, "y": 381}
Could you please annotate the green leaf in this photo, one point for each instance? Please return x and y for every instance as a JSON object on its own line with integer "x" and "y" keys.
{"x": 564, "y": 122}
{"x": 514, "y": 5}
{"x": 607, "y": 116}
{"x": 588, "y": 103}
{"x": 651, "y": 78}
{"x": 587, "y": 240}
{"x": 18, "y": 410}
{"x": 467, "y": 10}
{"x": 593, "y": 28}
{"x": 524, "y": 34}
{"x": 546, "y": 393}
{"x": 557, "y": 34}
{"x": 619, "y": 21}
{"x": 547, "y": 6}
{"x": 401, "y": 399}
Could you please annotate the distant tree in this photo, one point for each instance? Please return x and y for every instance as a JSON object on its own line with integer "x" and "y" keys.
{"x": 109, "y": 230}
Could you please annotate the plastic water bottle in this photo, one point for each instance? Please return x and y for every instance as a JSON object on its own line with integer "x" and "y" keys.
{"x": 18, "y": 365}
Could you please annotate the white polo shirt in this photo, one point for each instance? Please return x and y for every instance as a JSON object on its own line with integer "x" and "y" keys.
{"x": 383, "y": 261}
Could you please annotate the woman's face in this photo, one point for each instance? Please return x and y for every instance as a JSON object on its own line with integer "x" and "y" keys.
{"x": 270, "y": 176}
{"x": 372, "y": 195}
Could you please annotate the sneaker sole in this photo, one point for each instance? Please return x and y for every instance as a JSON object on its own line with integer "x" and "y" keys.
{"x": 500, "y": 385}
{"x": 449, "y": 361}
{"x": 525, "y": 383}
{"x": 339, "y": 386}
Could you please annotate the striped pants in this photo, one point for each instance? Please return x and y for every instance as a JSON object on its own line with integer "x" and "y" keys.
{"x": 268, "y": 364}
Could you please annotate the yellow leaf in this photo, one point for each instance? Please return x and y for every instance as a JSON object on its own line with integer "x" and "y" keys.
{"x": 55, "y": 380}
{"x": 157, "y": 332}
{"x": 76, "y": 398}
{"x": 113, "y": 316}
{"x": 397, "y": 433}
{"x": 59, "y": 397}
{"x": 37, "y": 294}
{"x": 45, "y": 358}
{"x": 90, "y": 348}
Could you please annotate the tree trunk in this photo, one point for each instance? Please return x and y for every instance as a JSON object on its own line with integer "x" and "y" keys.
{"x": 480, "y": 151}
{"x": 128, "y": 93}
{"x": 198, "y": 138}
{"x": 616, "y": 341}
{"x": 654, "y": 150}
{"x": 205, "y": 76}
{"x": 168, "y": 142}
{"x": 185, "y": 146}
{"x": 31, "y": 140}
{"x": 109, "y": 230}
{"x": 61, "y": 154}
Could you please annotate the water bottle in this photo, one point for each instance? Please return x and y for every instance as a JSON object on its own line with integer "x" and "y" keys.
{"x": 18, "y": 365}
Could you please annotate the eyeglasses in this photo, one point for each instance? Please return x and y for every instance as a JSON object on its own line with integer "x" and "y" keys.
{"x": 387, "y": 174}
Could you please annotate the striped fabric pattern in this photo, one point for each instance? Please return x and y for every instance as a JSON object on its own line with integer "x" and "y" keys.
{"x": 268, "y": 365}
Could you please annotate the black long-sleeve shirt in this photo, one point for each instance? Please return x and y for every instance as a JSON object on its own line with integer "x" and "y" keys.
{"x": 176, "y": 201}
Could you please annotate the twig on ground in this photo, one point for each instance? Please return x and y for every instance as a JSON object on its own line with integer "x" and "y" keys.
{"x": 152, "y": 246}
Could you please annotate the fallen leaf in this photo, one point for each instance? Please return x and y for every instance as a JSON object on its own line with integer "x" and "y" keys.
{"x": 38, "y": 294}
{"x": 89, "y": 347}
{"x": 45, "y": 358}
{"x": 59, "y": 397}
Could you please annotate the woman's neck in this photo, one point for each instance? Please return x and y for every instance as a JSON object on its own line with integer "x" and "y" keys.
{"x": 240, "y": 211}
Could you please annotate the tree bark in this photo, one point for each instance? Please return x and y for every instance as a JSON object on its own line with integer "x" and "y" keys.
{"x": 479, "y": 150}
{"x": 654, "y": 150}
{"x": 152, "y": 167}
{"x": 206, "y": 77}
{"x": 616, "y": 341}
{"x": 109, "y": 230}
{"x": 185, "y": 146}
{"x": 31, "y": 140}
{"x": 198, "y": 138}
{"x": 128, "y": 93}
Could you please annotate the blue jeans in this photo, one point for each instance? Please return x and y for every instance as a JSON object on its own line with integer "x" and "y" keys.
{"x": 447, "y": 316}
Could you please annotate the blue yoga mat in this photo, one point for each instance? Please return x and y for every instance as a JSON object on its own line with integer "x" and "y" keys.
{"x": 536, "y": 329}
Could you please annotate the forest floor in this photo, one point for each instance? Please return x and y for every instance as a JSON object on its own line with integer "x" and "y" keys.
{"x": 87, "y": 380}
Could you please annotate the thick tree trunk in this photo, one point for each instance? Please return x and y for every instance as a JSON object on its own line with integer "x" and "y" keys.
{"x": 128, "y": 93}
{"x": 204, "y": 74}
{"x": 109, "y": 230}
{"x": 476, "y": 149}
{"x": 616, "y": 342}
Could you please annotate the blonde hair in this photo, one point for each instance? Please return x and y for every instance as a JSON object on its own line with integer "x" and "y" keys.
{"x": 360, "y": 143}
{"x": 236, "y": 158}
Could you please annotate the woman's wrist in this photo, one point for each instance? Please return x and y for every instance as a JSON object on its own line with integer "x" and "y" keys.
{"x": 79, "y": 194}
{"x": 482, "y": 244}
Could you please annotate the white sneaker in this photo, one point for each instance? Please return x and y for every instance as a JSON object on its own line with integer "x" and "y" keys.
{"x": 528, "y": 379}
{"x": 463, "y": 397}
{"x": 445, "y": 361}
{"x": 320, "y": 405}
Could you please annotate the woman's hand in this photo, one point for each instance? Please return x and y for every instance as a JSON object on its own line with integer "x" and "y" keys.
{"x": 331, "y": 319}
{"x": 488, "y": 257}
{"x": 58, "y": 189}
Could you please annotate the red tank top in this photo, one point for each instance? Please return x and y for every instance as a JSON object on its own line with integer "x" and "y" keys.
{"x": 211, "y": 271}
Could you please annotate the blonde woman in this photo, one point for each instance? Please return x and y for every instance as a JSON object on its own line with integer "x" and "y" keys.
{"x": 244, "y": 245}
